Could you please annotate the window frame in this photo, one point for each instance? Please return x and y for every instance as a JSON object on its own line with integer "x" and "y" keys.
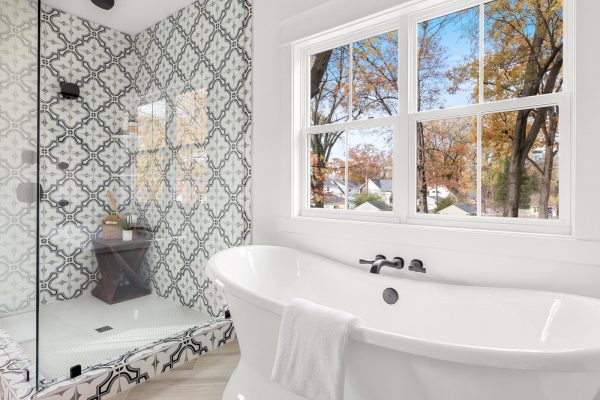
{"x": 405, "y": 19}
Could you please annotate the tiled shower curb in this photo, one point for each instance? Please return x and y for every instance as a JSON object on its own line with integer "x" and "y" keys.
{"x": 13, "y": 366}
{"x": 106, "y": 380}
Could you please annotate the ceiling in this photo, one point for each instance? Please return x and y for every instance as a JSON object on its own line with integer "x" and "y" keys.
{"x": 129, "y": 16}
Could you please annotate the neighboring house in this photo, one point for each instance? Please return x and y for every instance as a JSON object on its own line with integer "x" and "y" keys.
{"x": 334, "y": 196}
{"x": 438, "y": 192}
{"x": 381, "y": 187}
{"x": 335, "y": 193}
{"x": 353, "y": 190}
{"x": 534, "y": 210}
{"x": 458, "y": 209}
{"x": 431, "y": 204}
{"x": 374, "y": 205}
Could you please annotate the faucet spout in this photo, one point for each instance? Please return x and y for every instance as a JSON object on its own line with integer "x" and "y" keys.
{"x": 397, "y": 263}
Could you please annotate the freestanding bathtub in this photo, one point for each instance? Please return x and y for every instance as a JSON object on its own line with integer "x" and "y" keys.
{"x": 438, "y": 342}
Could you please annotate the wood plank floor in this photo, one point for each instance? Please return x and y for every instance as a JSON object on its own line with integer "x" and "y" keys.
{"x": 203, "y": 379}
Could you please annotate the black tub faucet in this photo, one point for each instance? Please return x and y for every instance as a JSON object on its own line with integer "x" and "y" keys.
{"x": 380, "y": 262}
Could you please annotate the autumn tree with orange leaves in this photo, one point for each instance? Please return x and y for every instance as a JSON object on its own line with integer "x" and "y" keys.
{"x": 524, "y": 57}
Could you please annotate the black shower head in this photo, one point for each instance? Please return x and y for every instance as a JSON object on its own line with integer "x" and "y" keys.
{"x": 105, "y": 4}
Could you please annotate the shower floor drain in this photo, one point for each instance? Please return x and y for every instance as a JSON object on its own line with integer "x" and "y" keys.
{"x": 104, "y": 329}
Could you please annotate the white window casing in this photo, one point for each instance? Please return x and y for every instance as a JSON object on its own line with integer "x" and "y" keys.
{"x": 405, "y": 19}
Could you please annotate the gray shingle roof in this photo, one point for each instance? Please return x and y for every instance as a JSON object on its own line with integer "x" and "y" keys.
{"x": 466, "y": 208}
{"x": 384, "y": 184}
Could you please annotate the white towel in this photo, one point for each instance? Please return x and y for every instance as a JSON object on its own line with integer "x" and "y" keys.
{"x": 310, "y": 351}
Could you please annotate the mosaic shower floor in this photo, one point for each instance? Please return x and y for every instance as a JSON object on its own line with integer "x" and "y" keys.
{"x": 87, "y": 331}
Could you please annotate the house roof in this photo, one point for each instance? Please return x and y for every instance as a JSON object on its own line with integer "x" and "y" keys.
{"x": 466, "y": 208}
{"x": 353, "y": 186}
{"x": 374, "y": 204}
{"x": 384, "y": 184}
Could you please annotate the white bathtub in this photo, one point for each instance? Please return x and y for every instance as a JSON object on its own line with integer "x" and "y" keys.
{"x": 439, "y": 341}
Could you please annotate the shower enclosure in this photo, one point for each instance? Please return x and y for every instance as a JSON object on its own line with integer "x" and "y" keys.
{"x": 124, "y": 165}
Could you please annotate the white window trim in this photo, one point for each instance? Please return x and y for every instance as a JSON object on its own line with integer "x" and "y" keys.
{"x": 404, "y": 19}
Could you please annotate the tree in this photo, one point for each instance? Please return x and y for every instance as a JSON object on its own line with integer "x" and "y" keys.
{"x": 366, "y": 197}
{"x": 366, "y": 161}
{"x": 501, "y": 194}
{"x": 445, "y": 203}
{"x": 450, "y": 155}
{"x": 524, "y": 57}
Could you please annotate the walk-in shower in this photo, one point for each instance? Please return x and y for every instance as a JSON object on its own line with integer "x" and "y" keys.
{"x": 118, "y": 181}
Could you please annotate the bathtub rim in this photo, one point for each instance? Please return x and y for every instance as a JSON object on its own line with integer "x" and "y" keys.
{"x": 568, "y": 360}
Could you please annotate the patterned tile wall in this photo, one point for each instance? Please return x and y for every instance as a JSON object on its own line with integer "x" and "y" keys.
{"x": 82, "y": 153}
{"x": 186, "y": 173}
{"x": 18, "y": 140}
{"x": 201, "y": 200}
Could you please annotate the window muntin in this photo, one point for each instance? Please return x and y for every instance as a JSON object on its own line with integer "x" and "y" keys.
{"x": 521, "y": 58}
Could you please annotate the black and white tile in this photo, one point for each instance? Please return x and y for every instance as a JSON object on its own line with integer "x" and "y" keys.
{"x": 204, "y": 50}
{"x": 18, "y": 143}
{"x": 86, "y": 135}
{"x": 115, "y": 376}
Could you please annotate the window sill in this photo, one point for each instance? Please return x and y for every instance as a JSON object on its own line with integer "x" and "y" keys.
{"x": 561, "y": 248}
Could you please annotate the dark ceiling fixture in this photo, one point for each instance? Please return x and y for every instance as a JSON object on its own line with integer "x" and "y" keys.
{"x": 105, "y": 4}
{"x": 69, "y": 90}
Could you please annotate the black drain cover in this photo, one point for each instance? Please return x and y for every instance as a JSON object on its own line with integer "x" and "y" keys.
{"x": 104, "y": 329}
{"x": 390, "y": 296}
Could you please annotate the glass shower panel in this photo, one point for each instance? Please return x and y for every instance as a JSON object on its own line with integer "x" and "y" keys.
{"x": 18, "y": 188}
{"x": 144, "y": 170}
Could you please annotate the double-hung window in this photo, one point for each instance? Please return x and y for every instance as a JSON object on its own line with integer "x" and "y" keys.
{"x": 456, "y": 114}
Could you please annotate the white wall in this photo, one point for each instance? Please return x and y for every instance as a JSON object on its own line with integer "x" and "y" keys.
{"x": 483, "y": 258}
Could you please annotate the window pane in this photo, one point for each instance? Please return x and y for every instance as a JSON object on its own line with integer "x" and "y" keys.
{"x": 447, "y": 166}
{"x": 370, "y": 169}
{"x": 329, "y": 86}
{"x": 327, "y": 170}
{"x": 528, "y": 186}
{"x": 448, "y": 66}
{"x": 523, "y": 45}
{"x": 375, "y": 76}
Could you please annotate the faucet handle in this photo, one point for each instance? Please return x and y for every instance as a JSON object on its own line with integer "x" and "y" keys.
{"x": 377, "y": 257}
{"x": 399, "y": 262}
{"x": 417, "y": 266}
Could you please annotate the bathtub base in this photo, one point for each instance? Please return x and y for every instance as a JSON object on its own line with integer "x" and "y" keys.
{"x": 247, "y": 384}
{"x": 377, "y": 373}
